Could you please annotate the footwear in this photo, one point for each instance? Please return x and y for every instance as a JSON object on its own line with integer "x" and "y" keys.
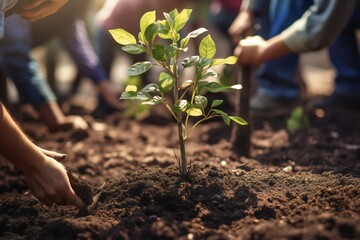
{"x": 265, "y": 106}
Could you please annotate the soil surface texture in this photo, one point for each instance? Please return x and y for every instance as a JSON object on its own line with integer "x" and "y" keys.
{"x": 295, "y": 185}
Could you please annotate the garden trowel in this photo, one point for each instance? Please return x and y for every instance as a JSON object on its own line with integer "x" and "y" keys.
{"x": 85, "y": 193}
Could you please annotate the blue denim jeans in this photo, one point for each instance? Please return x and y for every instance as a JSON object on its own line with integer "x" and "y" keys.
{"x": 345, "y": 56}
{"x": 276, "y": 77}
{"x": 20, "y": 66}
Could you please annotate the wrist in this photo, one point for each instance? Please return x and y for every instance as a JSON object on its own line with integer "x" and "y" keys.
{"x": 274, "y": 48}
{"x": 33, "y": 161}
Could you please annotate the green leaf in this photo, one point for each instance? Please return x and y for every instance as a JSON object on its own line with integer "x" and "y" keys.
{"x": 215, "y": 87}
{"x": 195, "y": 112}
{"x": 141, "y": 38}
{"x": 298, "y": 119}
{"x": 224, "y": 116}
{"x": 151, "y": 88}
{"x": 166, "y": 82}
{"x": 197, "y": 32}
{"x": 209, "y": 73}
{"x": 216, "y": 103}
{"x": 164, "y": 30}
{"x": 184, "y": 42}
{"x": 139, "y": 68}
{"x": 181, "y": 106}
{"x": 193, "y": 34}
{"x": 131, "y": 88}
{"x": 200, "y": 102}
{"x": 190, "y": 61}
{"x": 186, "y": 84}
{"x": 182, "y": 18}
{"x": 203, "y": 62}
{"x": 173, "y": 14}
{"x": 228, "y": 60}
{"x": 210, "y": 86}
{"x": 207, "y": 47}
{"x": 134, "y": 49}
{"x": 238, "y": 120}
{"x": 137, "y": 96}
{"x": 146, "y": 20}
{"x": 169, "y": 20}
{"x": 151, "y": 31}
{"x": 175, "y": 36}
{"x": 122, "y": 36}
{"x": 159, "y": 53}
{"x": 170, "y": 51}
{"x": 155, "y": 100}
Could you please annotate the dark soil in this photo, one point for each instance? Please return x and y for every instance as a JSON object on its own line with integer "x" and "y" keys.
{"x": 300, "y": 185}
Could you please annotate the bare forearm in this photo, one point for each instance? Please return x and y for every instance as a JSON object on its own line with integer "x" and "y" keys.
{"x": 275, "y": 48}
{"x": 14, "y": 145}
{"x": 45, "y": 176}
{"x": 37, "y": 9}
{"x": 255, "y": 50}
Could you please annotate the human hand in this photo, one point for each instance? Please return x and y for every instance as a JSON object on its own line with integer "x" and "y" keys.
{"x": 72, "y": 122}
{"x": 242, "y": 26}
{"x": 250, "y": 51}
{"x": 108, "y": 94}
{"x": 36, "y": 9}
{"x": 55, "y": 155}
{"x": 49, "y": 182}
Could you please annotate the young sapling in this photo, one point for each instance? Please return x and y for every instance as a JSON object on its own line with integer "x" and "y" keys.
{"x": 188, "y": 96}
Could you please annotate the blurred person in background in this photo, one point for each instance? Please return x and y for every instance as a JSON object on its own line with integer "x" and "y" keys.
{"x": 32, "y": 87}
{"x": 223, "y": 13}
{"x": 46, "y": 177}
{"x": 68, "y": 26}
{"x": 295, "y": 27}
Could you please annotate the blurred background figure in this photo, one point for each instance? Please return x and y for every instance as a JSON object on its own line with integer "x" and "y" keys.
{"x": 18, "y": 64}
{"x": 68, "y": 26}
{"x": 46, "y": 177}
{"x": 223, "y": 13}
{"x": 296, "y": 27}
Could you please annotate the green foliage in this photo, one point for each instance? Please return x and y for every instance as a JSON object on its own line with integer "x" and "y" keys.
{"x": 188, "y": 97}
{"x": 134, "y": 109}
{"x": 297, "y": 120}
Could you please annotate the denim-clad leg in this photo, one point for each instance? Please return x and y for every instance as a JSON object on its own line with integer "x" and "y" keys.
{"x": 275, "y": 78}
{"x": 105, "y": 46}
{"x": 20, "y": 67}
{"x": 345, "y": 56}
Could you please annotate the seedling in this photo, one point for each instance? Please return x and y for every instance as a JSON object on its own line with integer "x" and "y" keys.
{"x": 297, "y": 120}
{"x": 188, "y": 96}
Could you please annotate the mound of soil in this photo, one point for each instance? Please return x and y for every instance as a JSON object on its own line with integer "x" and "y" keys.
{"x": 296, "y": 185}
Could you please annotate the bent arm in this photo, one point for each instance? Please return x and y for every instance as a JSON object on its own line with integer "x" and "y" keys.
{"x": 14, "y": 145}
{"x": 37, "y": 9}
{"x": 46, "y": 177}
{"x": 319, "y": 26}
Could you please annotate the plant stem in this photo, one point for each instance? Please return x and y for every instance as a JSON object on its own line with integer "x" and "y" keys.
{"x": 183, "y": 162}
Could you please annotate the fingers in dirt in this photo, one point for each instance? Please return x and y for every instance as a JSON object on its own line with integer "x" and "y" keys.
{"x": 57, "y": 156}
